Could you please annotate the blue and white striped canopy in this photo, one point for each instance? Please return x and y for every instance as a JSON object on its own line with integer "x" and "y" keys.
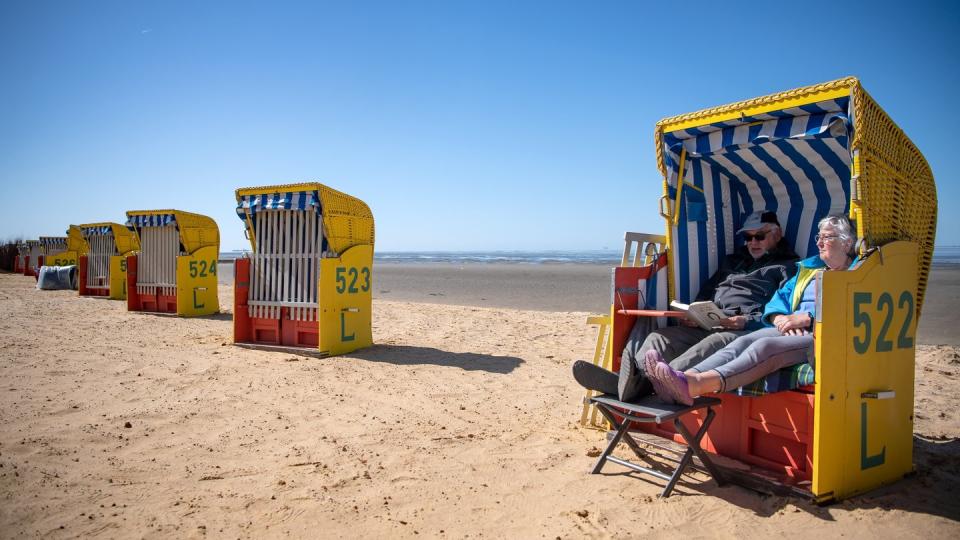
{"x": 152, "y": 220}
{"x": 296, "y": 200}
{"x": 90, "y": 231}
{"x": 795, "y": 162}
{"x": 53, "y": 241}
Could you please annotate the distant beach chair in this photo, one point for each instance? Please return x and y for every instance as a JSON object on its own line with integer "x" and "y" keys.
{"x": 50, "y": 245}
{"x": 805, "y": 153}
{"x": 20, "y": 260}
{"x": 175, "y": 270}
{"x": 102, "y": 260}
{"x": 307, "y": 282}
{"x": 34, "y": 254}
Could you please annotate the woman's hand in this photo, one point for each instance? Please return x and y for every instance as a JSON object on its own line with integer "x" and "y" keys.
{"x": 795, "y": 324}
{"x": 737, "y": 322}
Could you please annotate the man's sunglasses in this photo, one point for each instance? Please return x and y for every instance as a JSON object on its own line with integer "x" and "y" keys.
{"x": 756, "y": 236}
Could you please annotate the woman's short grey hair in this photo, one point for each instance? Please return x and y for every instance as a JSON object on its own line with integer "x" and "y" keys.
{"x": 841, "y": 225}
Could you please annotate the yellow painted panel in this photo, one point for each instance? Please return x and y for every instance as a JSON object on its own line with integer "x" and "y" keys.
{"x": 63, "y": 258}
{"x": 866, "y": 333}
{"x": 76, "y": 242}
{"x": 118, "y": 277}
{"x": 197, "y": 283}
{"x": 126, "y": 240}
{"x": 346, "y": 301}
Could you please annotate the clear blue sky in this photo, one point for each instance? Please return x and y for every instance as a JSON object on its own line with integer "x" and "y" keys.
{"x": 464, "y": 125}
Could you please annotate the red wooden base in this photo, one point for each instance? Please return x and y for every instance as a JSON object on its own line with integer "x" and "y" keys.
{"x": 82, "y": 280}
{"x": 282, "y": 331}
{"x": 156, "y": 303}
{"x": 774, "y": 432}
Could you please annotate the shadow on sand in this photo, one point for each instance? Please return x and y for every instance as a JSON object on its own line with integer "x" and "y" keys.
{"x": 933, "y": 489}
{"x": 404, "y": 355}
{"x": 219, "y": 316}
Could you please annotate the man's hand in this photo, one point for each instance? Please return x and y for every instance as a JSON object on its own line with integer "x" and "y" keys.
{"x": 787, "y": 324}
{"x": 737, "y": 322}
{"x": 685, "y": 321}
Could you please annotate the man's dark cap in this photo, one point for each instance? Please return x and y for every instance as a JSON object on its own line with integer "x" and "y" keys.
{"x": 757, "y": 219}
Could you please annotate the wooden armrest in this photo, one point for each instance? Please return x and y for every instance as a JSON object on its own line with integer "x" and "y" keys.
{"x": 651, "y": 313}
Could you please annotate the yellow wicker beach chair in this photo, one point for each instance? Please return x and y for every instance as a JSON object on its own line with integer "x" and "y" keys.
{"x": 175, "y": 270}
{"x": 805, "y": 153}
{"x": 102, "y": 257}
{"x": 307, "y": 282}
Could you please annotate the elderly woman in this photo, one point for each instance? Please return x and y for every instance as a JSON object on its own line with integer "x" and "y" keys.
{"x": 788, "y": 341}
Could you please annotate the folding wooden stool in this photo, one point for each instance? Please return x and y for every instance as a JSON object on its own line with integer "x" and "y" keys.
{"x": 650, "y": 410}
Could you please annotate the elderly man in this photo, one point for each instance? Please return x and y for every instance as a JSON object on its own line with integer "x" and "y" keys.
{"x": 741, "y": 287}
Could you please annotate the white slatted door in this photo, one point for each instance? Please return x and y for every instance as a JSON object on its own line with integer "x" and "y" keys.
{"x": 102, "y": 247}
{"x": 284, "y": 269}
{"x": 157, "y": 261}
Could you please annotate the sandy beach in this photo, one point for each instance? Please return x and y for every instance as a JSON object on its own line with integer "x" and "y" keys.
{"x": 462, "y": 421}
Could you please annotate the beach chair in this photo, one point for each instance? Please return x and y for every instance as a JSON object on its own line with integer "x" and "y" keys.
{"x": 175, "y": 270}
{"x": 102, "y": 260}
{"x": 805, "y": 153}
{"x": 20, "y": 260}
{"x": 50, "y": 245}
{"x": 34, "y": 254}
{"x": 307, "y": 281}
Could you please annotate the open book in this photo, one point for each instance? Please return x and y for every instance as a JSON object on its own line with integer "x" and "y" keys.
{"x": 706, "y": 314}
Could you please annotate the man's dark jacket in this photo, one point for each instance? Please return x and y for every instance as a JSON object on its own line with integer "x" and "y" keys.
{"x": 742, "y": 285}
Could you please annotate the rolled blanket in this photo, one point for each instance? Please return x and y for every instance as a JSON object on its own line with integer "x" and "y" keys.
{"x": 53, "y": 278}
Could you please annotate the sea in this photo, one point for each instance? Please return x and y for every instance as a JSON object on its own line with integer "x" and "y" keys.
{"x": 946, "y": 255}
{"x": 508, "y": 257}
{"x": 942, "y": 255}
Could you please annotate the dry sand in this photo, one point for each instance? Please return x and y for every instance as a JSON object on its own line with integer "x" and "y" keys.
{"x": 460, "y": 422}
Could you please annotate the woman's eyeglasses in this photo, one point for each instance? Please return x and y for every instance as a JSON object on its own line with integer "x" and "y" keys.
{"x": 825, "y": 238}
{"x": 747, "y": 237}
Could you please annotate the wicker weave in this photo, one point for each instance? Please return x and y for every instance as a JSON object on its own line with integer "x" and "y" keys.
{"x": 348, "y": 220}
{"x": 895, "y": 197}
